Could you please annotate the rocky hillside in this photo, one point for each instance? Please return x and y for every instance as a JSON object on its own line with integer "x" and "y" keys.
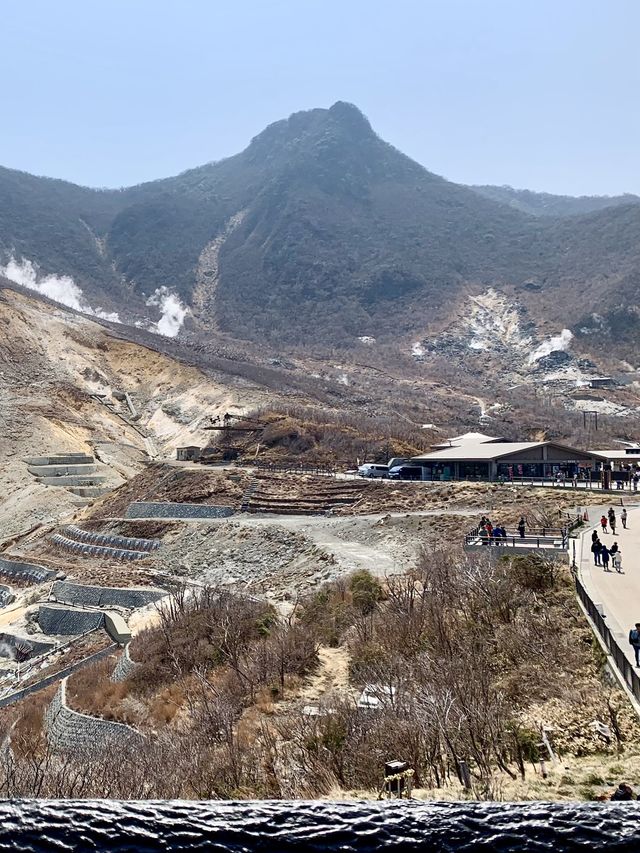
{"x": 317, "y": 233}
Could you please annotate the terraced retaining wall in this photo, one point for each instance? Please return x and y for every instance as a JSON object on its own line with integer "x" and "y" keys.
{"x": 72, "y": 731}
{"x": 110, "y": 540}
{"x": 143, "y": 509}
{"x": 26, "y": 571}
{"x": 125, "y": 666}
{"x": 104, "y": 596}
{"x": 96, "y": 550}
{"x": 89, "y": 480}
{"x": 60, "y": 470}
{"x": 62, "y": 459}
{"x": 65, "y": 621}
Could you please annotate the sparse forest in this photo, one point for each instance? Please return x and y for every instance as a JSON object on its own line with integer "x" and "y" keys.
{"x": 464, "y": 656}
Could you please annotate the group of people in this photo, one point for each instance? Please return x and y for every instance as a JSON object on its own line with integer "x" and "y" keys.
{"x": 496, "y": 533}
{"x": 491, "y": 533}
{"x": 602, "y": 555}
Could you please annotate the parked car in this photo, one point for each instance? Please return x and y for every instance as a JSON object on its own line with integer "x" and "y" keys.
{"x": 405, "y": 472}
{"x": 369, "y": 470}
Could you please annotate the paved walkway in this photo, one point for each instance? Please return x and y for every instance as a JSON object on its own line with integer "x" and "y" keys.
{"x": 619, "y": 594}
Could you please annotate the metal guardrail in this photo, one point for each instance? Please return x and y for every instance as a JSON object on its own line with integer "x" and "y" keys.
{"x": 535, "y": 537}
{"x": 294, "y": 468}
{"x": 623, "y": 664}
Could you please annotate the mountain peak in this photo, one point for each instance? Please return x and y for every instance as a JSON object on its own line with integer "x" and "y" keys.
{"x": 350, "y": 117}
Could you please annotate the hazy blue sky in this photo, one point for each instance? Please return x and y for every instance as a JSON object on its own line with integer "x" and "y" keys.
{"x": 534, "y": 93}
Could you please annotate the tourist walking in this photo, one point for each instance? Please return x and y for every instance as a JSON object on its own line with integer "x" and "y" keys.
{"x": 634, "y": 639}
{"x": 603, "y": 524}
{"x": 617, "y": 562}
{"x": 612, "y": 520}
{"x": 521, "y": 527}
{"x": 604, "y": 556}
{"x": 594, "y": 536}
{"x": 623, "y": 517}
{"x": 596, "y": 548}
{"x": 635, "y": 482}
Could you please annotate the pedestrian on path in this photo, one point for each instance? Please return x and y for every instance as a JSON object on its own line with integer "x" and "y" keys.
{"x": 617, "y": 562}
{"x": 596, "y": 548}
{"x": 634, "y": 639}
{"x": 614, "y": 549}
{"x": 612, "y": 520}
{"x": 604, "y": 556}
{"x": 521, "y": 527}
{"x": 623, "y": 517}
{"x": 603, "y": 523}
{"x": 594, "y": 536}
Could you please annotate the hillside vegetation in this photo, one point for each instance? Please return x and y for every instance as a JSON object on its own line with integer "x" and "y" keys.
{"x": 317, "y": 233}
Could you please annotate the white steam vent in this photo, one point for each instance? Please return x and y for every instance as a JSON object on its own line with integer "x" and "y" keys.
{"x": 59, "y": 288}
{"x": 558, "y": 343}
{"x": 172, "y": 312}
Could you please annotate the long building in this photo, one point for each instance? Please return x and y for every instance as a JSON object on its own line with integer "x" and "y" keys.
{"x": 478, "y": 457}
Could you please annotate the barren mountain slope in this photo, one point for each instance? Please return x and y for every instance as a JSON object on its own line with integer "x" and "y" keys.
{"x": 51, "y": 362}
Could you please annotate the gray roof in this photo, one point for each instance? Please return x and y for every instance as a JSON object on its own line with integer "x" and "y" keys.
{"x": 480, "y": 450}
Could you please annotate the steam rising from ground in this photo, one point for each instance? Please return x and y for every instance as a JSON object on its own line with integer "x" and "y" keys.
{"x": 62, "y": 289}
{"x": 172, "y": 310}
{"x": 559, "y": 342}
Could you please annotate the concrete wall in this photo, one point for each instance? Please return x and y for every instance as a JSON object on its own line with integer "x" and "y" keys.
{"x": 110, "y": 540}
{"x": 26, "y": 571}
{"x": 104, "y": 596}
{"x": 140, "y": 509}
{"x": 116, "y": 627}
{"x": 67, "y": 622}
{"x": 72, "y": 731}
{"x": 62, "y": 459}
{"x": 96, "y": 550}
{"x": 6, "y": 595}
{"x": 37, "y": 648}
{"x": 60, "y": 470}
{"x": 125, "y": 666}
{"x": 90, "y": 480}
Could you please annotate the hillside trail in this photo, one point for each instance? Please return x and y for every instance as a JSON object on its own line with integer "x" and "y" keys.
{"x": 331, "y": 676}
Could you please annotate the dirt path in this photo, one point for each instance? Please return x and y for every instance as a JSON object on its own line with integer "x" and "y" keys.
{"x": 331, "y": 676}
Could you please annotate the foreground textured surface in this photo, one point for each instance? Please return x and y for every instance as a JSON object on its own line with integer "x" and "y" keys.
{"x": 314, "y": 826}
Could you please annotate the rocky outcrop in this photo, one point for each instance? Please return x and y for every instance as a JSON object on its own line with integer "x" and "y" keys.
{"x": 71, "y": 731}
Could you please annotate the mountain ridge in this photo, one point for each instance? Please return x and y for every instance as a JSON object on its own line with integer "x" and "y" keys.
{"x": 318, "y": 232}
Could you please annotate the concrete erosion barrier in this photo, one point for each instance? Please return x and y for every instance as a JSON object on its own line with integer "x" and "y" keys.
{"x": 104, "y": 596}
{"x": 60, "y": 459}
{"x": 25, "y": 571}
{"x": 110, "y": 540}
{"x": 145, "y": 509}
{"x": 125, "y": 666}
{"x": 6, "y": 595}
{"x": 96, "y": 550}
{"x": 89, "y": 480}
{"x": 64, "y": 621}
{"x": 61, "y": 470}
{"x": 72, "y": 731}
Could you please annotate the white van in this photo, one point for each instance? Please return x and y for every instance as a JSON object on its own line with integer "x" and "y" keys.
{"x": 373, "y": 470}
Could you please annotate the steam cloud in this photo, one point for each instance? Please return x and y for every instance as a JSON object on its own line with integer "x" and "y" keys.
{"x": 62, "y": 289}
{"x": 172, "y": 312}
{"x": 559, "y": 342}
